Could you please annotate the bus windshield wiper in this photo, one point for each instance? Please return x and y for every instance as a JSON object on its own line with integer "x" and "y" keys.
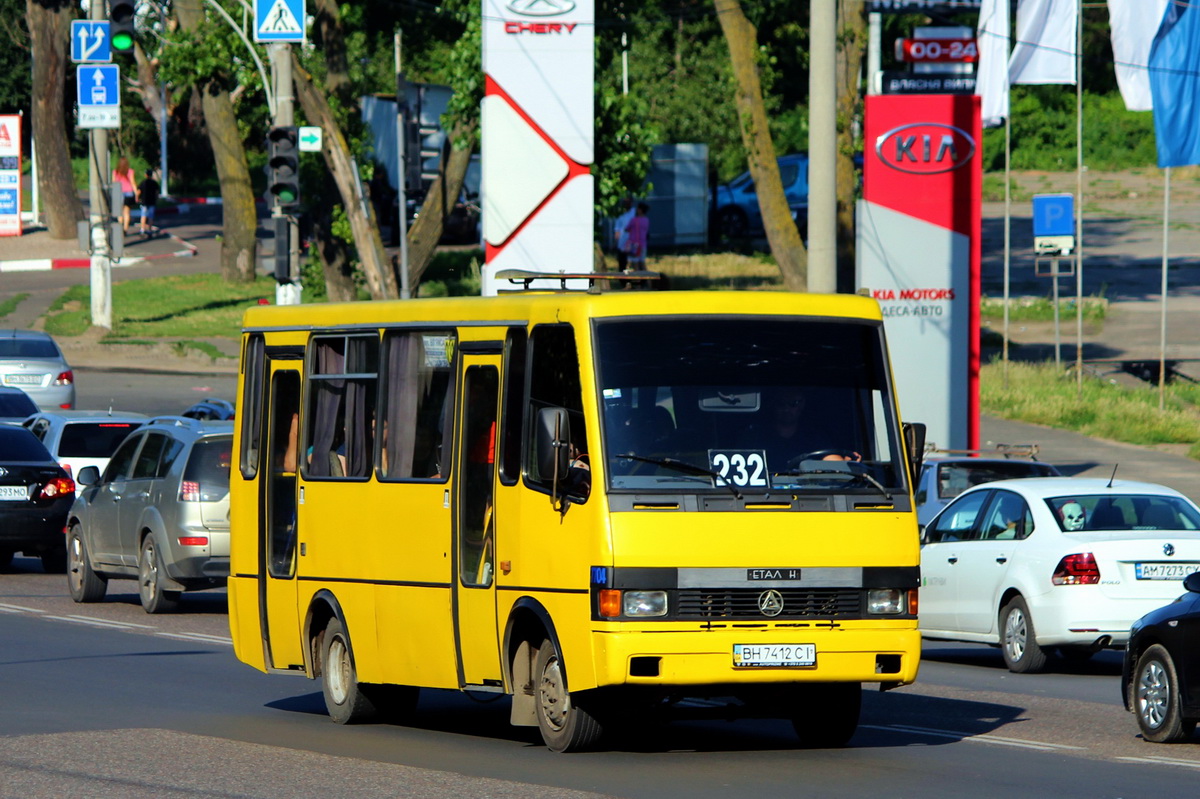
{"x": 863, "y": 476}
{"x": 685, "y": 468}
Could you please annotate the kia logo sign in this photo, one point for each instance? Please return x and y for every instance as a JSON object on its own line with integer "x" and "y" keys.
{"x": 541, "y": 8}
{"x": 925, "y": 148}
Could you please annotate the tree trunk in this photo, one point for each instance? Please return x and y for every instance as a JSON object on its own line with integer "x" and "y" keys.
{"x": 782, "y": 234}
{"x": 50, "y": 37}
{"x": 146, "y": 87}
{"x": 337, "y": 263}
{"x": 852, "y": 46}
{"x": 239, "y": 243}
{"x": 425, "y": 233}
{"x": 381, "y": 278}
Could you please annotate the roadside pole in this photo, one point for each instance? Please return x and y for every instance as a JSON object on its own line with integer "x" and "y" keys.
{"x": 99, "y": 211}
{"x": 281, "y": 68}
{"x": 822, "y": 149}
{"x": 401, "y": 169}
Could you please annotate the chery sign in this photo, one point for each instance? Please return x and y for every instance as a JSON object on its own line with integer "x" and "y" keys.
{"x": 537, "y": 141}
{"x": 918, "y": 253}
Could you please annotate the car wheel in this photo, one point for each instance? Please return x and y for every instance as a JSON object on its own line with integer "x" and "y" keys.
{"x": 565, "y": 723}
{"x": 733, "y": 223}
{"x": 825, "y": 715}
{"x": 84, "y": 584}
{"x": 54, "y": 561}
{"x": 150, "y": 572}
{"x": 345, "y": 700}
{"x": 1156, "y": 700}
{"x": 1018, "y": 641}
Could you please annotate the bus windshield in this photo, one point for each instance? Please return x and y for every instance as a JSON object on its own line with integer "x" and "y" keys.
{"x": 749, "y": 404}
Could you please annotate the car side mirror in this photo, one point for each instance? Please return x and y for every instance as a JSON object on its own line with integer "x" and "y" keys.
{"x": 1192, "y": 582}
{"x": 88, "y": 476}
{"x": 552, "y": 442}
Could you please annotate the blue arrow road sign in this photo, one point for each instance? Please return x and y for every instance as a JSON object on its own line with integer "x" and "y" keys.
{"x": 98, "y": 84}
{"x": 89, "y": 41}
{"x": 279, "y": 20}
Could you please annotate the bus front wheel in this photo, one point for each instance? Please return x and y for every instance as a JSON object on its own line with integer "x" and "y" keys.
{"x": 565, "y": 723}
{"x": 344, "y": 698}
{"x": 825, "y": 715}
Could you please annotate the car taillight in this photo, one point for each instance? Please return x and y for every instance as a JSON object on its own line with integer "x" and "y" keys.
{"x": 189, "y": 491}
{"x": 1077, "y": 569}
{"x": 57, "y": 488}
{"x": 67, "y": 468}
{"x": 193, "y": 541}
{"x": 65, "y": 378}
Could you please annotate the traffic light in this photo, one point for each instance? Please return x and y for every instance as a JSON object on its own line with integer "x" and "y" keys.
{"x": 283, "y": 261}
{"x": 121, "y": 17}
{"x": 284, "y": 163}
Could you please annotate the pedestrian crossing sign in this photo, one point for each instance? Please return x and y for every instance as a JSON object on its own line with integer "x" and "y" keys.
{"x": 279, "y": 20}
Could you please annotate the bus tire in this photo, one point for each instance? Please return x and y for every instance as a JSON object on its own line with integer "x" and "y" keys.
{"x": 564, "y": 721}
{"x": 345, "y": 700}
{"x": 825, "y": 715}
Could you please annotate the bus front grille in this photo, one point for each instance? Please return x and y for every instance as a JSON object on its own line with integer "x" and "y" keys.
{"x": 745, "y": 603}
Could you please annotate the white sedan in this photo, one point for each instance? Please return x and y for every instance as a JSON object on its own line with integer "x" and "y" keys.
{"x": 1062, "y": 562}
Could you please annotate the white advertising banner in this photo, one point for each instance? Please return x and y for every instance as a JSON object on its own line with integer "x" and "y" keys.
{"x": 538, "y": 137}
{"x": 10, "y": 175}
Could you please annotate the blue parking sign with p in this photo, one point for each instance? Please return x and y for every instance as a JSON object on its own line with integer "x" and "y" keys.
{"x": 1053, "y": 215}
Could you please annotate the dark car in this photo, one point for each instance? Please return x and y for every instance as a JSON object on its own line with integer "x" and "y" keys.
{"x": 736, "y": 202}
{"x": 218, "y": 410}
{"x": 35, "y": 497}
{"x": 15, "y": 405}
{"x": 1160, "y": 679}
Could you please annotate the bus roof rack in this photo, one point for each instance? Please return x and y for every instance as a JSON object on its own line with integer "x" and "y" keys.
{"x": 526, "y": 277}
{"x": 1029, "y": 451}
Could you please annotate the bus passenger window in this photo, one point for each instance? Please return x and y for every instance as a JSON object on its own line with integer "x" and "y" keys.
{"x": 417, "y": 396}
{"x": 343, "y": 386}
{"x": 554, "y": 382}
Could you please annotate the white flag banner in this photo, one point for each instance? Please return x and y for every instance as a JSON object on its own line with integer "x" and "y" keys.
{"x": 1045, "y": 48}
{"x": 1134, "y": 24}
{"x": 991, "y": 76}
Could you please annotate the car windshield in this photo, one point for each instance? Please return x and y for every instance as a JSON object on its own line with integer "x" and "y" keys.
{"x": 764, "y": 403}
{"x": 16, "y": 406}
{"x": 955, "y": 478}
{"x": 208, "y": 468}
{"x": 18, "y": 445}
{"x": 11, "y": 348}
{"x": 1127, "y": 512}
{"x": 93, "y": 439}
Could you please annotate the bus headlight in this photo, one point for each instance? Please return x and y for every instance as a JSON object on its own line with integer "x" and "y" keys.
{"x": 885, "y": 601}
{"x": 645, "y": 603}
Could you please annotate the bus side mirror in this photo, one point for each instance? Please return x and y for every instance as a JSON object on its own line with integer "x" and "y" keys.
{"x": 552, "y": 439}
{"x": 914, "y": 442}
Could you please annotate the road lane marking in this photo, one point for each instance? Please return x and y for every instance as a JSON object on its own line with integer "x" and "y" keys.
{"x": 1166, "y": 761}
{"x": 999, "y": 740}
{"x": 118, "y": 625}
{"x": 203, "y": 638}
{"x": 4, "y": 608}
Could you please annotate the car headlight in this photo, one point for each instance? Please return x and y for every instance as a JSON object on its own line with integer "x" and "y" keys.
{"x": 885, "y": 601}
{"x": 644, "y": 603}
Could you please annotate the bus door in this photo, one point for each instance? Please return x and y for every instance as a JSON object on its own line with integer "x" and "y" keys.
{"x": 277, "y": 521}
{"x": 475, "y": 630}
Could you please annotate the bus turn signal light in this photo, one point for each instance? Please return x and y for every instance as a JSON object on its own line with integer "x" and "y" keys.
{"x": 610, "y": 603}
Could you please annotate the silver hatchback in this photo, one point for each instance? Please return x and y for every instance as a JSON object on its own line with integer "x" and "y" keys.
{"x": 31, "y": 361}
{"x": 159, "y": 514}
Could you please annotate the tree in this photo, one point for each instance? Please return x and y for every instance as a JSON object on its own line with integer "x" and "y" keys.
{"x": 49, "y": 24}
{"x": 784, "y": 238}
{"x": 207, "y": 66}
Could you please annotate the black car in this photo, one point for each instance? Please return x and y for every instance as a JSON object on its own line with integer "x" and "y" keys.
{"x": 35, "y": 497}
{"x": 1160, "y": 680}
{"x": 218, "y": 410}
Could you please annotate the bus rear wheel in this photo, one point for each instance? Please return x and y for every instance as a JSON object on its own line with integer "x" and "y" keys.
{"x": 825, "y": 715}
{"x": 565, "y": 723}
{"x": 345, "y": 700}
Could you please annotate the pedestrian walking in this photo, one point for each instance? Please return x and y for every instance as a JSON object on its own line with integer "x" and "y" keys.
{"x": 621, "y": 233}
{"x": 639, "y": 232}
{"x": 123, "y": 175}
{"x": 147, "y": 192}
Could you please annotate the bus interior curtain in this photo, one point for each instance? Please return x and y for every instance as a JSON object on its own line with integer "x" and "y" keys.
{"x": 405, "y": 355}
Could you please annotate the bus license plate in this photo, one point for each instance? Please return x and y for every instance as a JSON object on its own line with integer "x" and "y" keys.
{"x": 1164, "y": 571}
{"x": 774, "y": 655}
{"x": 18, "y": 493}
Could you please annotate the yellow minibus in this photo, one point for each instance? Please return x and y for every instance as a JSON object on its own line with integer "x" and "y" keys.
{"x": 605, "y": 505}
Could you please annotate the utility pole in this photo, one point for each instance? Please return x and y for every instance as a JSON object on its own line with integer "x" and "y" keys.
{"x": 822, "y": 148}
{"x": 99, "y": 211}
{"x": 281, "y": 67}
{"x": 401, "y": 167}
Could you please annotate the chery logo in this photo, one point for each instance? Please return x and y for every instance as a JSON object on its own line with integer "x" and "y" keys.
{"x": 541, "y": 8}
{"x": 925, "y": 148}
